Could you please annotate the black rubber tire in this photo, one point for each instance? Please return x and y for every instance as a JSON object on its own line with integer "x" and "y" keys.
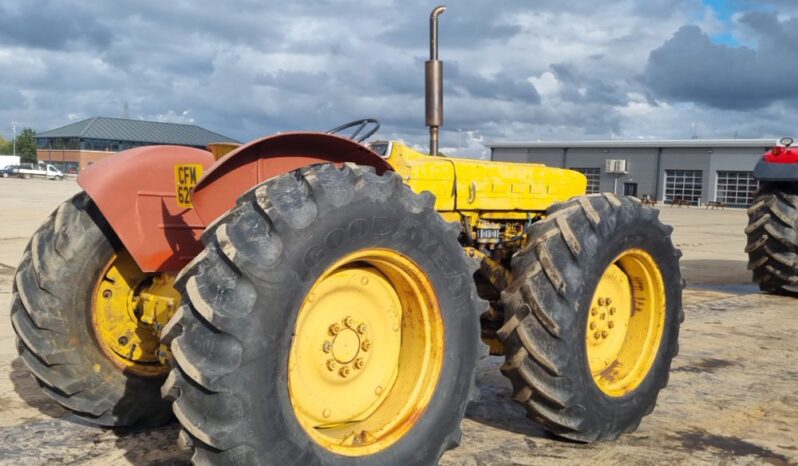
{"x": 773, "y": 238}
{"x": 547, "y": 308}
{"x": 232, "y": 336}
{"x": 50, "y": 312}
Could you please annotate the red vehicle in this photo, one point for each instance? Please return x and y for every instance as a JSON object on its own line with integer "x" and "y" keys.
{"x": 773, "y": 221}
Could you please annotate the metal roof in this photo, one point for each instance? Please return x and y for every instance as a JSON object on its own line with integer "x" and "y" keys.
{"x": 120, "y": 129}
{"x": 635, "y": 143}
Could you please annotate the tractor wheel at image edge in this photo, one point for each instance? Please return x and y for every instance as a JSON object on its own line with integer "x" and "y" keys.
{"x": 773, "y": 238}
{"x": 71, "y": 259}
{"x": 592, "y": 317}
{"x": 332, "y": 319}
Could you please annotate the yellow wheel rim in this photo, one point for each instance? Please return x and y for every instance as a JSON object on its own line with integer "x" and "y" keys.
{"x": 367, "y": 352}
{"x": 128, "y": 309}
{"x": 625, "y": 323}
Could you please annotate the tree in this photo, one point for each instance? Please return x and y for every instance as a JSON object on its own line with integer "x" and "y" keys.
{"x": 26, "y": 145}
{"x": 5, "y": 146}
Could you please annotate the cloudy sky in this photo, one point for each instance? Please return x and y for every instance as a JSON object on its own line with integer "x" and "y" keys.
{"x": 515, "y": 69}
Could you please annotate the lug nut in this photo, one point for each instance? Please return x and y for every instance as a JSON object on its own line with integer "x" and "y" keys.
{"x": 326, "y": 347}
{"x": 597, "y": 335}
{"x": 359, "y": 363}
{"x": 365, "y": 346}
{"x": 601, "y": 301}
{"x": 603, "y": 316}
{"x": 361, "y": 329}
{"x": 122, "y": 340}
{"x": 603, "y": 334}
{"x": 592, "y": 326}
{"x": 331, "y": 365}
{"x": 349, "y": 322}
{"x": 610, "y": 324}
{"x": 344, "y": 372}
{"x": 612, "y": 310}
{"x": 608, "y": 301}
{"x": 107, "y": 294}
{"x": 593, "y": 311}
{"x": 334, "y": 329}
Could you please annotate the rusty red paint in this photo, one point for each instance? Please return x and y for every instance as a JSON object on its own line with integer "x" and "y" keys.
{"x": 136, "y": 193}
{"x": 135, "y": 190}
{"x": 265, "y": 158}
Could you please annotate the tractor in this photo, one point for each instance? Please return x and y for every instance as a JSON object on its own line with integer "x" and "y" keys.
{"x": 772, "y": 229}
{"x": 310, "y": 298}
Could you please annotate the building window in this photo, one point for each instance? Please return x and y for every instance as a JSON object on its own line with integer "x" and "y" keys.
{"x": 593, "y": 178}
{"x": 684, "y": 186}
{"x": 736, "y": 189}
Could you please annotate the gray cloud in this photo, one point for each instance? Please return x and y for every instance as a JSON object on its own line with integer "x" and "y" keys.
{"x": 691, "y": 68}
{"x": 51, "y": 25}
{"x": 514, "y": 69}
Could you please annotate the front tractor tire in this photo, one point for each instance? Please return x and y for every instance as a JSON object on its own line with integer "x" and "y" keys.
{"x": 332, "y": 319}
{"x": 773, "y": 238}
{"x": 74, "y": 278}
{"x": 592, "y": 317}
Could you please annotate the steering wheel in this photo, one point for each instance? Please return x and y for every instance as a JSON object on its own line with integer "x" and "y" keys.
{"x": 361, "y": 125}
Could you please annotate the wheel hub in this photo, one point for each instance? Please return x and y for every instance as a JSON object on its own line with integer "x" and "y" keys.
{"x": 625, "y": 322}
{"x": 366, "y": 352}
{"x": 128, "y": 311}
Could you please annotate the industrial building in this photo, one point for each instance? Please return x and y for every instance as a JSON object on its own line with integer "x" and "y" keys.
{"x": 77, "y": 145}
{"x": 692, "y": 171}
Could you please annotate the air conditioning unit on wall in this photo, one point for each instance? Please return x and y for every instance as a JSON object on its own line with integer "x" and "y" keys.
{"x": 615, "y": 167}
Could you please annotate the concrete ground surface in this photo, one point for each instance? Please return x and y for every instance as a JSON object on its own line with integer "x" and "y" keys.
{"x": 732, "y": 398}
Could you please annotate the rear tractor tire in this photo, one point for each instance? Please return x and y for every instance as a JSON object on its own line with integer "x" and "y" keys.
{"x": 70, "y": 310}
{"x": 332, "y": 319}
{"x": 592, "y": 317}
{"x": 773, "y": 238}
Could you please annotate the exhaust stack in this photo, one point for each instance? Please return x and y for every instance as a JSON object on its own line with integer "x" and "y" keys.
{"x": 433, "y": 74}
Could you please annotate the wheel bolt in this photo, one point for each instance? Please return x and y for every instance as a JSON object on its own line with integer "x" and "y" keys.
{"x": 122, "y": 340}
{"x": 612, "y": 310}
{"x": 365, "y": 346}
{"x": 349, "y": 322}
{"x": 326, "y": 347}
{"x": 107, "y": 294}
{"x": 344, "y": 372}
{"x": 610, "y": 324}
{"x": 597, "y": 335}
{"x": 361, "y": 329}
{"x": 603, "y": 334}
{"x": 592, "y": 326}
{"x": 334, "y": 329}
{"x": 331, "y": 365}
{"x": 603, "y": 316}
{"x": 601, "y": 301}
{"x": 608, "y": 301}
{"x": 593, "y": 311}
{"x": 359, "y": 363}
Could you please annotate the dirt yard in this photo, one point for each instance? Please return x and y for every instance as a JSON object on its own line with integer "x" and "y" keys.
{"x": 732, "y": 397}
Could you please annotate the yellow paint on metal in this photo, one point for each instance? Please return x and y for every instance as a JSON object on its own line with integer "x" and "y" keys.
{"x": 186, "y": 178}
{"x": 220, "y": 149}
{"x": 496, "y": 190}
{"x": 625, "y": 323}
{"x": 367, "y": 352}
{"x": 129, "y": 307}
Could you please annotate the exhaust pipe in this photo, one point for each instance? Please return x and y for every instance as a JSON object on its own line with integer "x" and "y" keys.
{"x": 433, "y": 74}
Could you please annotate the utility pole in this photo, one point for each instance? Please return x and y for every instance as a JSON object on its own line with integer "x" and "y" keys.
{"x": 14, "y": 140}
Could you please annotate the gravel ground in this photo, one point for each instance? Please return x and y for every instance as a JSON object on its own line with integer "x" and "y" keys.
{"x": 731, "y": 399}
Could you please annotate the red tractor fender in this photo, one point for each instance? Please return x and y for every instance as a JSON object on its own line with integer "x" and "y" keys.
{"x": 139, "y": 191}
{"x": 259, "y": 160}
{"x": 135, "y": 191}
